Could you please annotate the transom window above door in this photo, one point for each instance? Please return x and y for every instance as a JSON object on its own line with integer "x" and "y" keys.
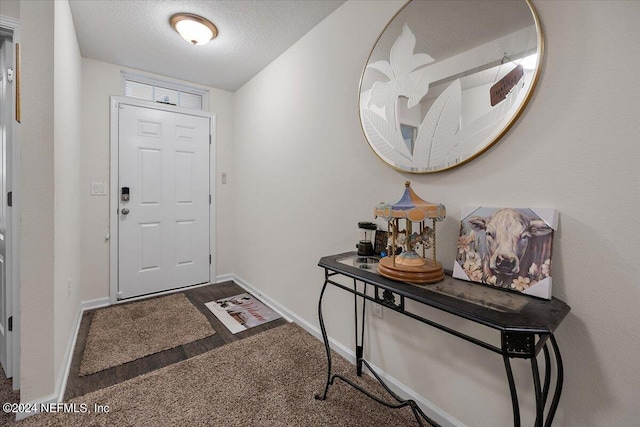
{"x": 143, "y": 87}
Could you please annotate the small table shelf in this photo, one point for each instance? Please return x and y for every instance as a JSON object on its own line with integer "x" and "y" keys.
{"x": 526, "y": 326}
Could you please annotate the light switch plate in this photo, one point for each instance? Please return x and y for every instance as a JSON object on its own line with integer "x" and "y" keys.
{"x": 98, "y": 188}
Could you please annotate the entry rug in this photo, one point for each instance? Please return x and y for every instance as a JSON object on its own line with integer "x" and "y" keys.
{"x": 241, "y": 312}
{"x": 126, "y": 332}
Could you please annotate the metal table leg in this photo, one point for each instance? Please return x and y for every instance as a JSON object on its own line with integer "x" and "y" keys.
{"x": 360, "y": 342}
{"x": 325, "y": 338}
{"x": 541, "y": 391}
{"x": 419, "y": 415}
{"x": 547, "y": 374}
{"x": 538, "y": 392}
{"x": 559, "y": 381}
{"x": 512, "y": 389}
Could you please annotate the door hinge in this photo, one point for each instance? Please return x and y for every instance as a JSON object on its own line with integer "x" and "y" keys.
{"x": 10, "y": 198}
{"x": 209, "y": 259}
{"x": 209, "y": 139}
{"x": 10, "y": 324}
{"x": 209, "y": 198}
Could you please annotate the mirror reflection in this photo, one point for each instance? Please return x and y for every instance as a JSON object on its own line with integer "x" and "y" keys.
{"x": 446, "y": 79}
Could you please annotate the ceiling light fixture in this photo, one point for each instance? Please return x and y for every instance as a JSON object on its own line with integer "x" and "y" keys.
{"x": 193, "y": 28}
{"x": 530, "y": 62}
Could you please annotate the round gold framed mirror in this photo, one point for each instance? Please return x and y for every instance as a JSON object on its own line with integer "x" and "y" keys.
{"x": 446, "y": 79}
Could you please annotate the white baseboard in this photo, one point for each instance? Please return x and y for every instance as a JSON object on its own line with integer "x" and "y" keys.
{"x": 264, "y": 298}
{"x": 225, "y": 278}
{"x": 61, "y": 382}
{"x": 35, "y": 405}
{"x": 433, "y": 411}
{"x": 437, "y": 414}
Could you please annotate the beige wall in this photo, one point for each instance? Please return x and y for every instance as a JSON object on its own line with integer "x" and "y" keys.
{"x": 49, "y": 195}
{"x": 299, "y": 149}
{"x": 295, "y": 150}
{"x": 70, "y": 128}
{"x": 36, "y": 201}
{"x": 10, "y": 8}
{"x": 100, "y": 81}
{"x": 67, "y": 114}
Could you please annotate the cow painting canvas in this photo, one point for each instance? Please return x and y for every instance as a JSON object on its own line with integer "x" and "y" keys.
{"x": 507, "y": 248}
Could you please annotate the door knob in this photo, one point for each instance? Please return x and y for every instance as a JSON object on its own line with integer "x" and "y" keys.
{"x": 125, "y": 211}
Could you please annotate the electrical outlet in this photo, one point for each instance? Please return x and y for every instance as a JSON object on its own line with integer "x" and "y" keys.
{"x": 377, "y": 310}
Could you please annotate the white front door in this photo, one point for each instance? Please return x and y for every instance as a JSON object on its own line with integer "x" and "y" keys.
{"x": 163, "y": 229}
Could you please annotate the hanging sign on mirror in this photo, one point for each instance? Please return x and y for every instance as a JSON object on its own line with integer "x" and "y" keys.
{"x": 501, "y": 89}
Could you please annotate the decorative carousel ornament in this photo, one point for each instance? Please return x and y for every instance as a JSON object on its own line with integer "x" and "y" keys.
{"x": 409, "y": 266}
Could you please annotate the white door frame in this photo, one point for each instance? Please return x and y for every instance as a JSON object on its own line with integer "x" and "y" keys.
{"x": 11, "y": 25}
{"x": 114, "y": 202}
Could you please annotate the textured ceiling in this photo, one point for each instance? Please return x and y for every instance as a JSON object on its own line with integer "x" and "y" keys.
{"x": 136, "y": 34}
{"x": 445, "y": 28}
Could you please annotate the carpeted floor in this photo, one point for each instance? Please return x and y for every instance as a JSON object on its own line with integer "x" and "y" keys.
{"x": 267, "y": 380}
{"x": 126, "y": 332}
{"x": 7, "y": 395}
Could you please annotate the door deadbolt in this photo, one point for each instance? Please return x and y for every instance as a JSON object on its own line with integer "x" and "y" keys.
{"x": 125, "y": 211}
{"x": 124, "y": 194}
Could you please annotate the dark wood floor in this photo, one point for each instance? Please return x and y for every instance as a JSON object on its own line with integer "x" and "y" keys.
{"x": 78, "y": 386}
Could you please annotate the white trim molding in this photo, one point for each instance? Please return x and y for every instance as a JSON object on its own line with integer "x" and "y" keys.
{"x": 165, "y": 84}
{"x": 63, "y": 375}
{"x": 9, "y": 27}
{"x": 114, "y": 203}
{"x": 9, "y": 23}
{"x": 34, "y": 406}
{"x": 286, "y": 314}
{"x": 433, "y": 411}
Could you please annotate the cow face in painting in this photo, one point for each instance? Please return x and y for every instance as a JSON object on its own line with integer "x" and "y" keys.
{"x": 507, "y": 234}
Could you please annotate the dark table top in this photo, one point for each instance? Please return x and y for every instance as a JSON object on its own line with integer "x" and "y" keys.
{"x": 527, "y": 314}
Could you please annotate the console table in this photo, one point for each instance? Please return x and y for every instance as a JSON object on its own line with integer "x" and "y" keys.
{"x": 526, "y": 326}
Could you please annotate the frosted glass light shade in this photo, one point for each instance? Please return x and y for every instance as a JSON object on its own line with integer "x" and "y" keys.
{"x": 530, "y": 62}
{"x": 193, "y": 28}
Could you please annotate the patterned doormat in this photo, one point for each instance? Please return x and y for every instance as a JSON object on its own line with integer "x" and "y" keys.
{"x": 241, "y": 312}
